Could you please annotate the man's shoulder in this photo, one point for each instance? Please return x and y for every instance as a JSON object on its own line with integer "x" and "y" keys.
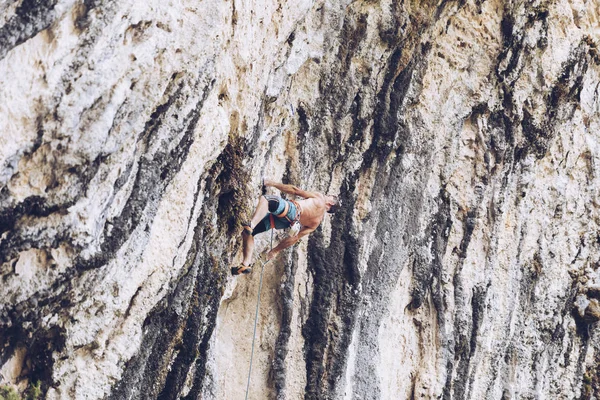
{"x": 314, "y": 195}
{"x": 319, "y": 199}
{"x": 319, "y": 196}
{"x": 316, "y": 203}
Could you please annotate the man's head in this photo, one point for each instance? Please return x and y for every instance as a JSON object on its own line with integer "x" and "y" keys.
{"x": 333, "y": 204}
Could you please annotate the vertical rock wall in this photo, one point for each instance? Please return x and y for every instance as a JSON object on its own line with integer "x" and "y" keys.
{"x": 461, "y": 136}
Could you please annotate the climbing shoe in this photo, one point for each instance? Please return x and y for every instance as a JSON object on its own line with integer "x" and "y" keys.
{"x": 242, "y": 269}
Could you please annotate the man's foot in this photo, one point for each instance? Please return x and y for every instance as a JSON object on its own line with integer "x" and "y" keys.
{"x": 242, "y": 269}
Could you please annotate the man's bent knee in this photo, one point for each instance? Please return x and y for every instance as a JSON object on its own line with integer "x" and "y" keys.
{"x": 273, "y": 202}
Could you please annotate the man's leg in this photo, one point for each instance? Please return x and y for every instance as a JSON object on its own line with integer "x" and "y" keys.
{"x": 248, "y": 240}
{"x": 262, "y": 209}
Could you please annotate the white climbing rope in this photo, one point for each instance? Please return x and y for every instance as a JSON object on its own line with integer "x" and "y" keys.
{"x": 256, "y": 317}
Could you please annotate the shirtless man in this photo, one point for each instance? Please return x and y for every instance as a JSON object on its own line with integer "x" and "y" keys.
{"x": 275, "y": 212}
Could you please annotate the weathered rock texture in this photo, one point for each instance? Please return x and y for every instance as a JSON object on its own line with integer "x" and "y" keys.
{"x": 462, "y": 137}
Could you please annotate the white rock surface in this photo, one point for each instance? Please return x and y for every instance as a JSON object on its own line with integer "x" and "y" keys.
{"x": 463, "y": 140}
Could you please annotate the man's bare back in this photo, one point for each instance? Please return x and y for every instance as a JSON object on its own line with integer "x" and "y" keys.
{"x": 313, "y": 211}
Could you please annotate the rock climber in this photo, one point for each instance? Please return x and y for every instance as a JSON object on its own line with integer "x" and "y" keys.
{"x": 303, "y": 216}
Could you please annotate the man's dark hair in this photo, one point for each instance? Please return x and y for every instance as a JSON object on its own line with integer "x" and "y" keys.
{"x": 335, "y": 206}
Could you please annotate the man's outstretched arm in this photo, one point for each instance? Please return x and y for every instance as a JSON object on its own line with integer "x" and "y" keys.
{"x": 290, "y": 189}
{"x": 289, "y": 241}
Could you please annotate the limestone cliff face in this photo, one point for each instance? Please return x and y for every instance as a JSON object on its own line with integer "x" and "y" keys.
{"x": 463, "y": 138}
